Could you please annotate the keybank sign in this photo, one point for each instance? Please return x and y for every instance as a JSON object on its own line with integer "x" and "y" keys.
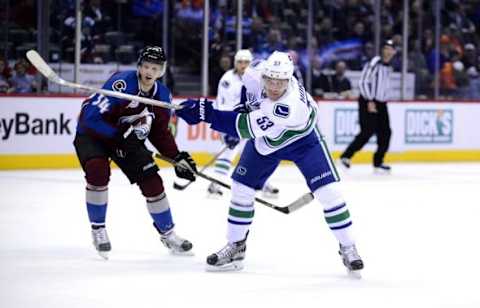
{"x": 346, "y": 126}
{"x": 429, "y": 126}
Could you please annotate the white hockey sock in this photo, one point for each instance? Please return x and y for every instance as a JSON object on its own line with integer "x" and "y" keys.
{"x": 240, "y": 213}
{"x": 336, "y": 213}
{"x": 222, "y": 166}
{"x": 223, "y": 163}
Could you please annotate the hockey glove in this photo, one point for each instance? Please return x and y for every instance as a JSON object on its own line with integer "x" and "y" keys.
{"x": 195, "y": 111}
{"x": 128, "y": 142}
{"x": 231, "y": 142}
{"x": 142, "y": 126}
{"x": 185, "y": 167}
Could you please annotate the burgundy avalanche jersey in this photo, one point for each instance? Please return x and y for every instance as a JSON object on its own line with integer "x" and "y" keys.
{"x": 105, "y": 117}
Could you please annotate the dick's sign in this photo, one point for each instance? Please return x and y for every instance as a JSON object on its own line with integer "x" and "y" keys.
{"x": 346, "y": 125}
{"x": 428, "y": 126}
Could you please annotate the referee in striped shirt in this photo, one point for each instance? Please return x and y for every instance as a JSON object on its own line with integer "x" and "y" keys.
{"x": 372, "y": 111}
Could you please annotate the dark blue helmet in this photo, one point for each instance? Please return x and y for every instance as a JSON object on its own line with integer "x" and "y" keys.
{"x": 152, "y": 54}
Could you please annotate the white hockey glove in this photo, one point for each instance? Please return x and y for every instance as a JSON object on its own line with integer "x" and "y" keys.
{"x": 142, "y": 126}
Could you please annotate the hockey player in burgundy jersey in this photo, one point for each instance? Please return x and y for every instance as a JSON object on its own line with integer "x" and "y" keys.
{"x": 115, "y": 129}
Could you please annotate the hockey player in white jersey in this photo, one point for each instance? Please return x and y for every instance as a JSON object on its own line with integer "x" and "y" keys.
{"x": 280, "y": 123}
{"x": 228, "y": 97}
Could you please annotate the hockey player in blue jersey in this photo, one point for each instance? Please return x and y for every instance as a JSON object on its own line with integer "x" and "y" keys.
{"x": 115, "y": 129}
{"x": 279, "y": 119}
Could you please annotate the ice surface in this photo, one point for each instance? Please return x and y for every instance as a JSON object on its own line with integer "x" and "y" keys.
{"x": 417, "y": 231}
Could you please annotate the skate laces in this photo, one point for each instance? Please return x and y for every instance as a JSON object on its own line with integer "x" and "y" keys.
{"x": 228, "y": 251}
{"x": 350, "y": 252}
{"x": 173, "y": 239}
{"x": 100, "y": 236}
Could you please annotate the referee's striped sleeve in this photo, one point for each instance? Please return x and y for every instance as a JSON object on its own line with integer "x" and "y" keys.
{"x": 366, "y": 83}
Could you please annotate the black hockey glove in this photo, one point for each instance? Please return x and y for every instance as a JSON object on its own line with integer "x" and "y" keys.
{"x": 185, "y": 167}
{"x": 230, "y": 142}
{"x": 128, "y": 142}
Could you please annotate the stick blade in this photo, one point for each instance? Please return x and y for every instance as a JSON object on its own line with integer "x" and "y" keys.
{"x": 300, "y": 202}
{"x": 42, "y": 66}
{"x": 178, "y": 186}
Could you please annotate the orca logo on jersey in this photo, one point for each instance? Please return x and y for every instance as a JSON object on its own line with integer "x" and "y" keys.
{"x": 241, "y": 170}
{"x": 281, "y": 110}
{"x": 119, "y": 85}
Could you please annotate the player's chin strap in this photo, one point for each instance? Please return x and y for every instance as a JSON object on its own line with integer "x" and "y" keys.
{"x": 295, "y": 205}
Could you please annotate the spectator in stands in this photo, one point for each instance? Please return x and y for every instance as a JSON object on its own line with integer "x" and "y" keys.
{"x": 298, "y": 71}
{"x": 274, "y": 42}
{"x": 359, "y": 32}
{"x": 148, "y": 14}
{"x": 87, "y": 43}
{"x": 418, "y": 66}
{"x": 317, "y": 77}
{"x": 257, "y": 35}
{"x": 22, "y": 82}
{"x": 4, "y": 84}
{"x": 469, "y": 56}
{"x": 93, "y": 9}
{"x": 190, "y": 11}
{"x": 224, "y": 64}
{"x": 473, "y": 91}
{"x": 336, "y": 85}
{"x": 461, "y": 77}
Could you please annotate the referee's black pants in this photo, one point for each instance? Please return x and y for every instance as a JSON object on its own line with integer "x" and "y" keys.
{"x": 371, "y": 123}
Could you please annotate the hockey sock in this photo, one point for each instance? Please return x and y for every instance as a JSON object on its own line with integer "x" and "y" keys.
{"x": 97, "y": 198}
{"x": 159, "y": 209}
{"x": 240, "y": 213}
{"x": 222, "y": 166}
{"x": 336, "y": 212}
{"x": 339, "y": 221}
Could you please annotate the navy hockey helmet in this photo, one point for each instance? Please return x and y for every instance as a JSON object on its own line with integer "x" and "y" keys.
{"x": 153, "y": 54}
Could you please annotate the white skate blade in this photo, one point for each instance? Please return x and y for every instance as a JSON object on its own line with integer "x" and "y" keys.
{"x": 189, "y": 253}
{"x": 229, "y": 267}
{"x": 354, "y": 274}
{"x": 103, "y": 254}
{"x": 214, "y": 196}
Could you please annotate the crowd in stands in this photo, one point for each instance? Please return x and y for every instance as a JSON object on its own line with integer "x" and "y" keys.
{"x": 342, "y": 37}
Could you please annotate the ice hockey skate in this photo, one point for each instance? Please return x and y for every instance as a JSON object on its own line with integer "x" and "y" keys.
{"x": 101, "y": 241}
{"x": 345, "y": 163}
{"x": 382, "y": 169}
{"x": 351, "y": 260}
{"x": 269, "y": 191}
{"x": 229, "y": 258}
{"x": 214, "y": 191}
{"x": 175, "y": 244}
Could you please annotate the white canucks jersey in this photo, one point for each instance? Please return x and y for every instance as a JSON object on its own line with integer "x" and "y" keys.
{"x": 275, "y": 124}
{"x": 229, "y": 90}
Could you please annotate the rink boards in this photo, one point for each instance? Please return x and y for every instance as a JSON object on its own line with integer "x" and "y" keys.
{"x": 37, "y": 132}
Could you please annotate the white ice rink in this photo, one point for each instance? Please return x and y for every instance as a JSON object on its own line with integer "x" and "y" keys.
{"x": 417, "y": 231}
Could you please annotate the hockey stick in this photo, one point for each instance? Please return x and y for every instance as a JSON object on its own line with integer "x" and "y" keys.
{"x": 182, "y": 187}
{"x": 48, "y": 72}
{"x": 295, "y": 205}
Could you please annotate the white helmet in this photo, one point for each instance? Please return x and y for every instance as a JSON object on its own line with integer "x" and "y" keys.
{"x": 279, "y": 65}
{"x": 243, "y": 55}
